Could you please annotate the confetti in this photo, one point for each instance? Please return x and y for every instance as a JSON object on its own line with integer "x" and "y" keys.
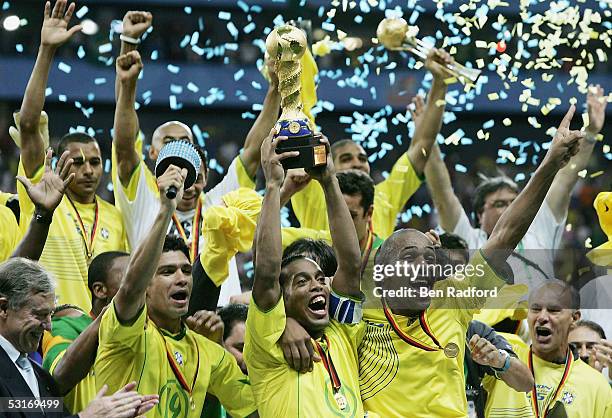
{"x": 62, "y": 66}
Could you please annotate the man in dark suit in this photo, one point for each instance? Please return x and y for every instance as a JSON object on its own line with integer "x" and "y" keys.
{"x": 26, "y": 302}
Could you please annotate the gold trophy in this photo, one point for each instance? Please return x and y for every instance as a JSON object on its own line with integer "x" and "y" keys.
{"x": 396, "y": 35}
{"x": 285, "y": 46}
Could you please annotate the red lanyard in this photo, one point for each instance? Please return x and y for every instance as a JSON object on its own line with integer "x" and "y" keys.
{"x": 195, "y": 230}
{"x": 88, "y": 248}
{"x": 329, "y": 365}
{"x": 407, "y": 338}
{"x": 569, "y": 360}
{"x": 177, "y": 371}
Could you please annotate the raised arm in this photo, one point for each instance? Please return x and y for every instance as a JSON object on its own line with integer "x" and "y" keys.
{"x": 130, "y": 298}
{"x": 46, "y": 195}
{"x": 344, "y": 236}
{"x": 262, "y": 126}
{"x": 429, "y": 125}
{"x": 558, "y": 197}
{"x": 54, "y": 33}
{"x": 441, "y": 190}
{"x": 134, "y": 25}
{"x": 515, "y": 221}
{"x": 125, "y": 126}
{"x": 268, "y": 248}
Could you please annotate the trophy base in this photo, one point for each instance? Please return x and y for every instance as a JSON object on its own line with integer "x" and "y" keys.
{"x": 301, "y": 139}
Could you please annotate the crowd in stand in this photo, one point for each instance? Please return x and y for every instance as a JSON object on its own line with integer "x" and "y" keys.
{"x": 136, "y": 308}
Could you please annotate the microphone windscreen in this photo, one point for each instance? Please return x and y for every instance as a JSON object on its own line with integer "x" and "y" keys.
{"x": 182, "y": 154}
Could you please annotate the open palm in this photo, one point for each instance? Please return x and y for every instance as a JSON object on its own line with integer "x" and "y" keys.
{"x": 596, "y": 105}
{"x": 55, "y": 30}
{"x": 49, "y": 191}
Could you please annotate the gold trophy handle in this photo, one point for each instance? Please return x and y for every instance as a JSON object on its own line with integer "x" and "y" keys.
{"x": 394, "y": 34}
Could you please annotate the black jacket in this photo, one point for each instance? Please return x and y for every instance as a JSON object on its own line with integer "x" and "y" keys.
{"x": 12, "y": 385}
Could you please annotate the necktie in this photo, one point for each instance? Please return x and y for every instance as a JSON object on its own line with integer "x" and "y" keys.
{"x": 28, "y": 374}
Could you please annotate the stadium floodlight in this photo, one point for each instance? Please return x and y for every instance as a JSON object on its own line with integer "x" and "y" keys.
{"x": 11, "y": 23}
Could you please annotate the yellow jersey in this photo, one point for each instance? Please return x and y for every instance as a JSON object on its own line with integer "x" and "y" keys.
{"x": 432, "y": 383}
{"x": 390, "y": 197}
{"x": 66, "y": 251}
{"x": 586, "y": 393}
{"x": 11, "y": 234}
{"x": 279, "y": 390}
{"x": 146, "y": 354}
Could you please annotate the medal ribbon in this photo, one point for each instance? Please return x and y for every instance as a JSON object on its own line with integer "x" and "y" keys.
{"x": 94, "y": 228}
{"x": 329, "y": 365}
{"x": 407, "y": 338}
{"x": 175, "y": 367}
{"x": 195, "y": 230}
{"x": 368, "y": 249}
{"x": 569, "y": 360}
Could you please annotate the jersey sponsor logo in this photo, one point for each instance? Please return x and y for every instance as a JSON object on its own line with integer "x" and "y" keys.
{"x": 104, "y": 233}
{"x": 173, "y": 401}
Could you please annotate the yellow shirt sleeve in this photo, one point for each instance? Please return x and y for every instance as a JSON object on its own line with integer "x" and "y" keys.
{"x": 228, "y": 230}
{"x": 25, "y": 204}
{"x": 112, "y": 332}
{"x": 230, "y": 385}
{"x": 309, "y": 207}
{"x": 132, "y": 186}
{"x": 10, "y": 236}
{"x": 289, "y": 235}
{"x": 243, "y": 176}
{"x": 263, "y": 330}
{"x": 392, "y": 194}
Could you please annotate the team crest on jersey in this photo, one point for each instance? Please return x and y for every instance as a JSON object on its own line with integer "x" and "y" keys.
{"x": 567, "y": 398}
{"x": 104, "y": 232}
{"x": 178, "y": 357}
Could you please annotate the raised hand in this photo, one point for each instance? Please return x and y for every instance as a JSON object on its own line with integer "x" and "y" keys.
{"x": 55, "y": 30}
{"x": 566, "y": 143}
{"x": 436, "y": 63}
{"x": 125, "y": 403}
{"x": 271, "y": 161}
{"x": 208, "y": 324}
{"x": 173, "y": 176}
{"x": 485, "y": 353}
{"x": 128, "y": 66}
{"x": 295, "y": 180}
{"x": 328, "y": 171}
{"x": 49, "y": 191}
{"x": 596, "y": 107}
{"x": 135, "y": 23}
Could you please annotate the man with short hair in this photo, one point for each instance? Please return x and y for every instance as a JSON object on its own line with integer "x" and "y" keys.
{"x": 564, "y": 385}
{"x": 403, "y": 180}
{"x": 142, "y": 334}
{"x": 418, "y": 341}
{"x": 295, "y": 287}
{"x": 26, "y": 304}
{"x": 83, "y": 225}
{"x": 135, "y": 188}
{"x": 234, "y": 318}
{"x": 588, "y": 339}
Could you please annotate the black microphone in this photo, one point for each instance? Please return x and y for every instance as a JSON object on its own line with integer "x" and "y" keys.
{"x": 181, "y": 154}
